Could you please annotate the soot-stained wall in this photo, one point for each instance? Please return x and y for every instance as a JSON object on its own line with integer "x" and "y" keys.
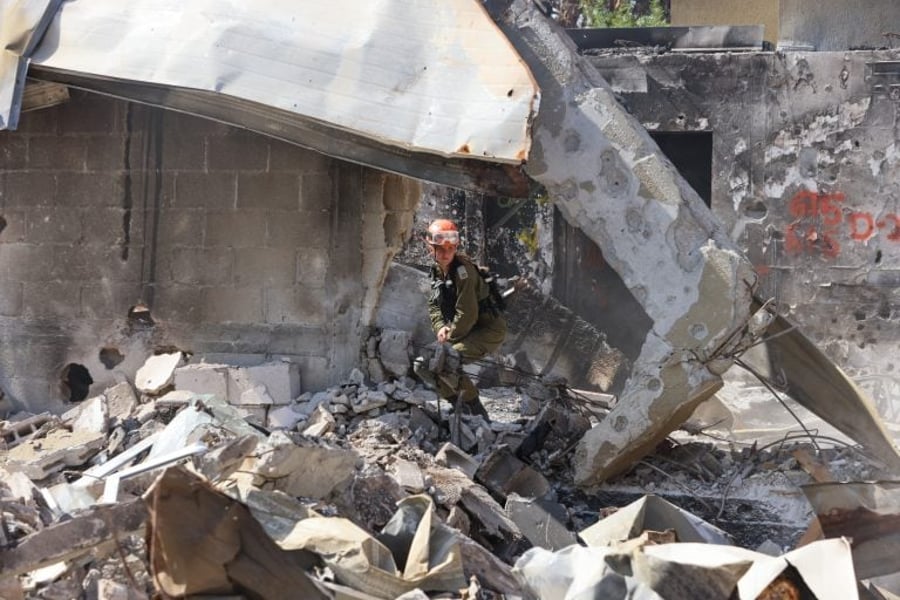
{"x": 240, "y": 247}
{"x": 805, "y": 175}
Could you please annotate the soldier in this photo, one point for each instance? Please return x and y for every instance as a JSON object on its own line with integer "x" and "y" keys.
{"x": 463, "y": 315}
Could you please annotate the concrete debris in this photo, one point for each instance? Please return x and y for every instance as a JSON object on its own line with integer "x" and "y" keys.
{"x": 361, "y": 480}
{"x": 15, "y": 432}
{"x": 157, "y": 372}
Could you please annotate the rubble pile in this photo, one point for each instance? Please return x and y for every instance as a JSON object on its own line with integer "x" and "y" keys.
{"x": 211, "y": 480}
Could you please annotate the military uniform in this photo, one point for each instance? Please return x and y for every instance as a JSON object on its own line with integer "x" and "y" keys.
{"x": 461, "y": 301}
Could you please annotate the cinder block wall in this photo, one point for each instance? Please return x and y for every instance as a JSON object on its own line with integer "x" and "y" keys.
{"x": 242, "y": 247}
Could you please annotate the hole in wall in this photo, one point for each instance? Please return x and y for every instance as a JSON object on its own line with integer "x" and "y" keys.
{"x": 110, "y": 357}
{"x": 2, "y": 224}
{"x": 139, "y": 314}
{"x": 877, "y": 257}
{"x": 76, "y": 382}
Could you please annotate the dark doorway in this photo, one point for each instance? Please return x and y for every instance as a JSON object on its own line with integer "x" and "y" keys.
{"x": 691, "y": 153}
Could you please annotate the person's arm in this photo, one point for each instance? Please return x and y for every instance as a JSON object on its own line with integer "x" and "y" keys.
{"x": 434, "y": 311}
{"x": 466, "y": 303}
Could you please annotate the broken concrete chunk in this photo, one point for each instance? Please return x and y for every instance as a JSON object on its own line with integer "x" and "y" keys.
{"x": 203, "y": 379}
{"x": 393, "y": 350}
{"x": 14, "y": 433}
{"x": 54, "y": 452}
{"x": 93, "y": 416}
{"x": 175, "y": 398}
{"x": 255, "y": 396}
{"x": 285, "y": 417}
{"x": 421, "y": 397}
{"x": 312, "y": 470}
{"x": 368, "y": 400}
{"x": 504, "y": 474}
{"x": 320, "y": 423}
{"x": 78, "y": 536}
{"x": 16, "y": 486}
{"x": 455, "y": 458}
{"x": 541, "y": 521}
{"x": 181, "y": 430}
{"x": 120, "y": 402}
{"x": 281, "y": 379}
{"x": 157, "y": 372}
{"x": 408, "y": 475}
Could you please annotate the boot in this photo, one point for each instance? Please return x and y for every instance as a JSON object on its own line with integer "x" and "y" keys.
{"x": 475, "y": 407}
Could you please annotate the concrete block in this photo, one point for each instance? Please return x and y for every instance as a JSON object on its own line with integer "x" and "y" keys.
{"x": 157, "y": 372}
{"x": 285, "y": 417}
{"x": 56, "y": 153}
{"x": 275, "y": 191}
{"x": 503, "y": 474}
{"x": 105, "y": 152}
{"x": 297, "y": 305}
{"x": 120, "y": 401}
{"x": 299, "y": 229}
{"x": 255, "y": 396}
{"x": 202, "y": 266}
{"x": 320, "y": 422}
{"x": 368, "y": 400}
{"x": 14, "y": 153}
{"x": 421, "y": 397}
{"x": 24, "y": 190}
{"x": 181, "y": 227}
{"x": 282, "y": 379}
{"x": 394, "y": 351}
{"x": 14, "y": 433}
{"x": 11, "y": 299}
{"x": 54, "y": 452}
{"x": 258, "y": 415}
{"x": 408, "y": 475}
{"x": 183, "y": 143}
{"x": 454, "y": 457}
{"x": 49, "y": 225}
{"x": 90, "y": 190}
{"x": 235, "y": 228}
{"x": 92, "y": 416}
{"x": 257, "y": 266}
{"x": 541, "y": 521}
{"x": 89, "y": 113}
{"x": 290, "y": 157}
{"x": 50, "y": 300}
{"x": 238, "y": 150}
{"x": 205, "y": 190}
{"x": 317, "y": 190}
{"x": 203, "y": 379}
{"x": 312, "y": 266}
{"x": 229, "y": 304}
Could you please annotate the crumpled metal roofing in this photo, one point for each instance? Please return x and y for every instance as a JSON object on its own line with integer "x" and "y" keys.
{"x": 433, "y": 76}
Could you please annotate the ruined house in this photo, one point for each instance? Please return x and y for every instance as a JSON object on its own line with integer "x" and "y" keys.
{"x": 193, "y": 201}
{"x": 239, "y": 247}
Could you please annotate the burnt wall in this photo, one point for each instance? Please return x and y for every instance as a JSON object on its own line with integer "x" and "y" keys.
{"x": 240, "y": 247}
{"x": 805, "y": 175}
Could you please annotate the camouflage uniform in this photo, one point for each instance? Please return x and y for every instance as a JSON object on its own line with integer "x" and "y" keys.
{"x": 461, "y": 301}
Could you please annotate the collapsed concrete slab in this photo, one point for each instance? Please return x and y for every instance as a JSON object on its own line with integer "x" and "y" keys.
{"x": 609, "y": 179}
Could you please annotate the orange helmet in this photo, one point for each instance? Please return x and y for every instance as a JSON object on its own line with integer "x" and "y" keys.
{"x": 442, "y": 232}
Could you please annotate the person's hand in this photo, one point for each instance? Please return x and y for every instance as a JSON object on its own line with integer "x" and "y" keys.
{"x": 443, "y": 334}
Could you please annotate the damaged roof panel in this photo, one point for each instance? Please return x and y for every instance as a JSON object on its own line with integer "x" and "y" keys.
{"x": 436, "y": 77}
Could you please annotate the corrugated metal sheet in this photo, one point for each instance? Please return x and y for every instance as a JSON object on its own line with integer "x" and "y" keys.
{"x": 22, "y": 23}
{"x": 431, "y": 76}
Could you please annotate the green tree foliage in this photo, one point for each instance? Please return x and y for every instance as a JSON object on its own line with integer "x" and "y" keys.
{"x": 598, "y": 13}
